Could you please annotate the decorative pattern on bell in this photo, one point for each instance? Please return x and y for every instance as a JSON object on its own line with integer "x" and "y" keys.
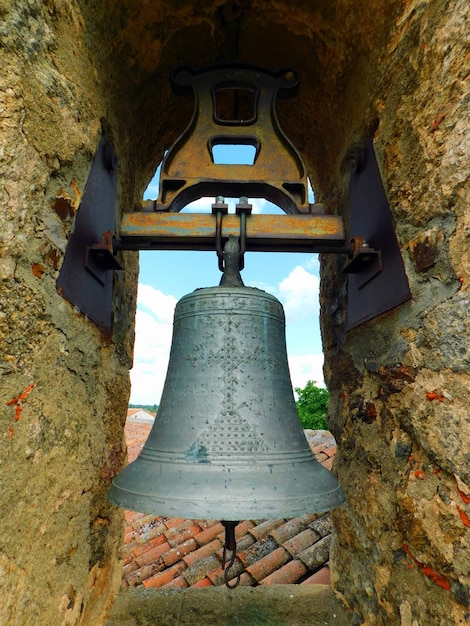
{"x": 227, "y": 442}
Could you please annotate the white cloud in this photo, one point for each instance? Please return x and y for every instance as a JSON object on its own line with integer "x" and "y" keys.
{"x": 160, "y": 306}
{"x": 305, "y": 368}
{"x": 299, "y": 294}
{"x": 154, "y": 327}
{"x": 204, "y": 205}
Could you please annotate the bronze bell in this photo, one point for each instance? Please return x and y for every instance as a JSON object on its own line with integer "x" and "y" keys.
{"x": 227, "y": 442}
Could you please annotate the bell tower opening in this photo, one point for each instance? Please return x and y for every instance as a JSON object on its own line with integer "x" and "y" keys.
{"x": 163, "y": 279}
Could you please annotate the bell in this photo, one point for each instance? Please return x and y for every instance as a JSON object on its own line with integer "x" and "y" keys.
{"x": 227, "y": 442}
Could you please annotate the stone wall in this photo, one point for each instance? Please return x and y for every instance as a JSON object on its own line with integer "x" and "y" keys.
{"x": 400, "y": 384}
{"x": 73, "y": 70}
{"x": 61, "y": 439}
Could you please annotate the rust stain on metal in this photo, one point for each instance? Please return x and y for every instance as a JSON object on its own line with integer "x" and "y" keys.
{"x": 197, "y": 231}
{"x": 235, "y": 104}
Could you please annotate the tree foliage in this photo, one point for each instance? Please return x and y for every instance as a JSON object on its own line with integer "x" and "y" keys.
{"x": 312, "y": 406}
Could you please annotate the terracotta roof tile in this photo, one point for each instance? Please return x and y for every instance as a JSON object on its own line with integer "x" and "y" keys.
{"x": 199, "y": 570}
{"x": 265, "y": 528}
{"x": 180, "y": 553}
{"x": 151, "y": 555}
{"x": 328, "y": 463}
{"x": 210, "y": 548}
{"x": 321, "y": 577}
{"x": 301, "y": 542}
{"x": 323, "y": 525}
{"x": 217, "y": 575}
{"x": 176, "y": 554}
{"x": 268, "y": 564}
{"x": 179, "y": 534}
{"x": 205, "y": 582}
{"x": 243, "y": 527}
{"x": 289, "y": 573}
{"x": 141, "y": 548}
{"x": 178, "y": 582}
{"x": 162, "y": 578}
{"x": 257, "y": 551}
{"x": 209, "y": 534}
{"x": 317, "y": 554}
{"x": 246, "y": 580}
{"x": 292, "y": 527}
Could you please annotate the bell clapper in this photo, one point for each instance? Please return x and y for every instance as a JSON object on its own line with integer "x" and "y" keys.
{"x": 230, "y": 544}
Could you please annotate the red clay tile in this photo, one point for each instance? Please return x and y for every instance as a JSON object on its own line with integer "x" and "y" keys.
{"x": 129, "y": 552}
{"x": 243, "y": 543}
{"x": 292, "y": 528}
{"x": 316, "y": 555}
{"x": 321, "y": 577}
{"x": 179, "y": 534}
{"x": 152, "y": 554}
{"x": 205, "y": 582}
{"x": 209, "y": 534}
{"x": 331, "y": 451}
{"x": 268, "y": 564}
{"x": 176, "y": 521}
{"x": 143, "y": 520}
{"x": 152, "y": 543}
{"x": 129, "y": 535}
{"x": 257, "y": 551}
{"x": 265, "y": 528}
{"x": 162, "y": 578}
{"x": 217, "y": 575}
{"x": 179, "y": 582}
{"x": 328, "y": 463}
{"x": 198, "y": 570}
{"x": 246, "y": 580}
{"x": 206, "y": 523}
{"x": 130, "y": 516}
{"x": 128, "y": 568}
{"x": 301, "y": 541}
{"x": 139, "y": 575}
{"x": 288, "y": 574}
{"x": 176, "y": 554}
{"x": 321, "y": 457}
{"x": 323, "y": 525}
{"x": 203, "y": 551}
{"x": 242, "y": 528}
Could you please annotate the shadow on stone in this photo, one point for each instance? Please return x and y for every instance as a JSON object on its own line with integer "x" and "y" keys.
{"x": 276, "y": 605}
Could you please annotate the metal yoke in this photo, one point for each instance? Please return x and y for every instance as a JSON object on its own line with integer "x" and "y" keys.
{"x": 234, "y": 105}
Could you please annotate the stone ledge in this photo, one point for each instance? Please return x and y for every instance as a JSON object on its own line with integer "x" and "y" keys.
{"x": 276, "y": 605}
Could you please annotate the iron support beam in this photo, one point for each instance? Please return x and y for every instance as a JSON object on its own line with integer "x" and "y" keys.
{"x": 264, "y": 233}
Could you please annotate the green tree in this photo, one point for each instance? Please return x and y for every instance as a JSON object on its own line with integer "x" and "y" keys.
{"x": 312, "y": 406}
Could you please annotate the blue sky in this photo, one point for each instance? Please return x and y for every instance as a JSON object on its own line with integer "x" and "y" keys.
{"x": 166, "y": 276}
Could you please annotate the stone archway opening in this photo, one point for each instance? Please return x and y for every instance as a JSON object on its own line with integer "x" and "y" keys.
{"x": 149, "y": 558}
{"x": 399, "y": 384}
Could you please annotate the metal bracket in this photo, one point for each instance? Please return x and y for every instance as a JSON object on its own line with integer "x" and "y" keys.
{"x": 364, "y": 261}
{"x": 235, "y": 104}
{"x": 84, "y": 279}
{"x": 377, "y": 280}
{"x": 219, "y": 209}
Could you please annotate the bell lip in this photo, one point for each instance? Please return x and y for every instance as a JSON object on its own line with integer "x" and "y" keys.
{"x": 280, "y": 508}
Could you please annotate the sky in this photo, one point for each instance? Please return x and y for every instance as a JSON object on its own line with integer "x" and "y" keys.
{"x": 166, "y": 276}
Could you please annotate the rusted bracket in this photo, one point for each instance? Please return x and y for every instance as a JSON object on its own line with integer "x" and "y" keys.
{"x": 377, "y": 280}
{"x": 235, "y": 104}
{"x": 363, "y": 261}
{"x": 84, "y": 278}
